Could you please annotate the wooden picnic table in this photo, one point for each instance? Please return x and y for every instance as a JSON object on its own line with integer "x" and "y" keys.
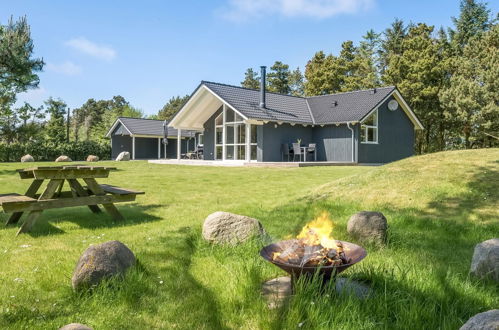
{"x": 53, "y": 197}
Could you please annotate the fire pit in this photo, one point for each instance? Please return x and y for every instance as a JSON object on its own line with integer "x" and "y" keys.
{"x": 314, "y": 250}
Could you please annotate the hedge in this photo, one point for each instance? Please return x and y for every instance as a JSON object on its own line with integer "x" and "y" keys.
{"x": 48, "y": 151}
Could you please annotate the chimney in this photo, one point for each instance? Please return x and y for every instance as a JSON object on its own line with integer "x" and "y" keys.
{"x": 262, "y": 87}
{"x": 373, "y": 91}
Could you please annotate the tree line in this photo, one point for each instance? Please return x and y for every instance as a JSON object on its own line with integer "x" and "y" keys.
{"x": 449, "y": 77}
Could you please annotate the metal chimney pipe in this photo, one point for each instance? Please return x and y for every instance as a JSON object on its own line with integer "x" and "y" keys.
{"x": 262, "y": 86}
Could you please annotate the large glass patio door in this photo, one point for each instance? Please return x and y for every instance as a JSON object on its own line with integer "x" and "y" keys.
{"x": 231, "y": 137}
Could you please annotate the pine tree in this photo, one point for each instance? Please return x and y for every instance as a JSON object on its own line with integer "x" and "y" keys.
{"x": 55, "y": 127}
{"x": 473, "y": 93}
{"x": 391, "y": 44}
{"x": 278, "y": 78}
{"x": 251, "y": 79}
{"x": 17, "y": 67}
{"x": 296, "y": 83}
{"x": 171, "y": 107}
{"x": 473, "y": 20}
{"x": 323, "y": 74}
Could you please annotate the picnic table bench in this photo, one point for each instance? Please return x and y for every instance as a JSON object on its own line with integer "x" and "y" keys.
{"x": 52, "y": 197}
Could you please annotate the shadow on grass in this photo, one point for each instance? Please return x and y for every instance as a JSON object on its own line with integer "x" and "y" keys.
{"x": 47, "y": 223}
{"x": 190, "y": 303}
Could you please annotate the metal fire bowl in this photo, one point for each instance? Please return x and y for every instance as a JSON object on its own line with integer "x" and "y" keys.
{"x": 355, "y": 253}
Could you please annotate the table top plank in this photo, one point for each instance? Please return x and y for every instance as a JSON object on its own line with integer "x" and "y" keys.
{"x": 66, "y": 167}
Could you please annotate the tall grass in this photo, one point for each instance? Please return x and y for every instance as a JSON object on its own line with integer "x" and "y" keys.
{"x": 438, "y": 207}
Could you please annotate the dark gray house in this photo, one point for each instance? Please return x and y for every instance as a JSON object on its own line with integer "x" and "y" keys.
{"x": 367, "y": 126}
{"x": 144, "y": 139}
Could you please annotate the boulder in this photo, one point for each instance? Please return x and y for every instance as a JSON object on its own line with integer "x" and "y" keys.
{"x": 92, "y": 158}
{"x": 123, "y": 156}
{"x": 484, "y": 321}
{"x": 368, "y": 226}
{"x": 63, "y": 159}
{"x": 101, "y": 261}
{"x": 485, "y": 262}
{"x": 229, "y": 228}
{"x": 27, "y": 159}
{"x": 75, "y": 326}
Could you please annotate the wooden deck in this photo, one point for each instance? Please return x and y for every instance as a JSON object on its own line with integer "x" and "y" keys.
{"x": 194, "y": 162}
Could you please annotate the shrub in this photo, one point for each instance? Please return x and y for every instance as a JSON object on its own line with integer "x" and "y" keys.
{"x": 49, "y": 151}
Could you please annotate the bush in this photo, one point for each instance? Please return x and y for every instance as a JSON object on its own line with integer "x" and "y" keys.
{"x": 49, "y": 151}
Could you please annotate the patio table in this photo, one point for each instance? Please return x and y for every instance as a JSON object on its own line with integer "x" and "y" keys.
{"x": 53, "y": 197}
{"x": 304, "y": 150}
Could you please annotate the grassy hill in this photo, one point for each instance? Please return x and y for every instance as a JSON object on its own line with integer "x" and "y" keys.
{"x": 438, "y": 207}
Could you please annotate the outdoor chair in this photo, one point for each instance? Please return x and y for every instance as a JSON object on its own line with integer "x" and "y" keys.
{"x": 297, "y": 151}
{"x": 285, "y": 151}
{"x": 312, "y": 150}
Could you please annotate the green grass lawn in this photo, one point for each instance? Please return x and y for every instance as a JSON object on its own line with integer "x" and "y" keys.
{"x": 438, "y": 207}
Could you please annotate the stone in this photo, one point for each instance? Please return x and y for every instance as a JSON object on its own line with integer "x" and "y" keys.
{"x": 277, "y": 290}
{"x": 229, "y": 228}
{"x": 350, "y": 287}
{"x": 75, "y": 326}
{"x": 92, "y": 158}
{"x": 123, "y": 156}
{"x": 63, "y": 159}
{"x": 368, "y": 226}
{"x": 485, "y": 262}
{"x": 27, "y": 159}
{"x": 101, "y": 261}
{"x": 484, "y": 321}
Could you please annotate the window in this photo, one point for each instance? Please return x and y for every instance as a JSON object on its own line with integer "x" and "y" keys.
{"x": 369, "y": 129}
{"x": 200, "y": 139}
{"x": 231, "y": 134}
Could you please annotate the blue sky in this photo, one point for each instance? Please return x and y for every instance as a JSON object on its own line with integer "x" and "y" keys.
{"x": 148, "y": 51}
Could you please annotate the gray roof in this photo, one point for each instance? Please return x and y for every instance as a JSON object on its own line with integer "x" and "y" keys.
{"x": 350, "y": 106}
{"x": 280, "y": 107}
{"x": 150, "y": 127}
{"x": 346, "y": 107}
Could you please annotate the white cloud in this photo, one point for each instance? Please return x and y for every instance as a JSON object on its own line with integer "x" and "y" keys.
{"x": 90, "y": 48}
{"x": 67, "y": 68}
{"x": 243, "y": 10}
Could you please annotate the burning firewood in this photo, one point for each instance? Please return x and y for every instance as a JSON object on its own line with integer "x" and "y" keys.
{"x": 304, "y": 255}
{"x": 314, "y": 246}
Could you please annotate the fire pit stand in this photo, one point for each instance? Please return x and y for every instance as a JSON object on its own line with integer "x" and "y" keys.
{"x": 353, "y": 252}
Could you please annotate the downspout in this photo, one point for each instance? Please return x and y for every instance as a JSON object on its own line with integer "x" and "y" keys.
{"x": 353, "y": 141}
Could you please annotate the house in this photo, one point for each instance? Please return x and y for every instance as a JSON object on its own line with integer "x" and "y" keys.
{"x": 366, "y": 126}
{"x": 144, "y": 139}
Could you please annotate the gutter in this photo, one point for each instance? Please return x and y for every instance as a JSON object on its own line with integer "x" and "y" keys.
{"x": 353, "y": 141}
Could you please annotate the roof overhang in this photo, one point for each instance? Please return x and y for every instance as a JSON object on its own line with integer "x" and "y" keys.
{"x": 200, "y": 107}
{"x": 408, "y": 111}
{"x": 116, "y": 123}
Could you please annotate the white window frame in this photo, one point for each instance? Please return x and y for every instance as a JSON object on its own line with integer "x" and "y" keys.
{"x": 366, "y": 128}
{"x": 223, "y": 135}
{"x": 201, "y": 139}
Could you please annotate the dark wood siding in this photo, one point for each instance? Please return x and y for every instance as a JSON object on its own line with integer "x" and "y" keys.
{"x": 334, "y": 143}
{"x": 274, "y": 135}
{"x": 120, "y": 143}
{"x": 209, "y": 136}
{"x": 395, "y": 137}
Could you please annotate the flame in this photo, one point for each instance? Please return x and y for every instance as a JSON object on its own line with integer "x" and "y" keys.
{"x": 318, "y": 231}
